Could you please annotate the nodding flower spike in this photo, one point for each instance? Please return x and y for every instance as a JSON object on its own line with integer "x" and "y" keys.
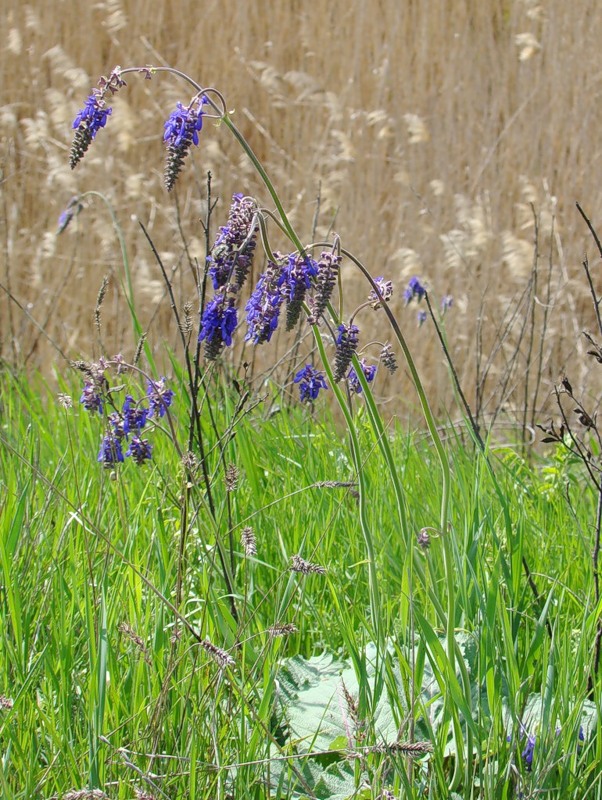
{"x": 324, "y": 283}
{"x": 93, "y": 116}
{"x": 181, "y": 132}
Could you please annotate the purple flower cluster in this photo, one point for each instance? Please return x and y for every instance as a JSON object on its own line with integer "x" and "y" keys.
{"x": 159, "y": 397}
{"x": 181, "y": 132}
{"x": 232, "y": 254}
{"x": 310, "y": 382}
{"x": 228, "y": 267}
{"x": 353, "y": 381}
{"x": 125, "y": 426}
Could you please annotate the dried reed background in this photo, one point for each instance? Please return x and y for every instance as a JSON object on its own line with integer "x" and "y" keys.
{"x": 440, "y": 135}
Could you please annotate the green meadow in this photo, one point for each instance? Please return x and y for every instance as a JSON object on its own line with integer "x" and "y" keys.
{"x": 338, "y": 683}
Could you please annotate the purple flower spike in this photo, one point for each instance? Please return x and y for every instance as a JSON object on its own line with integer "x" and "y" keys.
{"x": 421, "y": 317}
{"x": 295, "y": 281}
{"x": 263, "y": 308}
{"x": 232, "y": 253}
{"x": 89, "y": 120}
{"x": 346, "y": 343}
{"x": 353, "y": 381}
{"x": 447, "y": 302}
{"x": 181, "y": 132}
{"x": 91, "y": 397}
{"x": 310, "y": 382}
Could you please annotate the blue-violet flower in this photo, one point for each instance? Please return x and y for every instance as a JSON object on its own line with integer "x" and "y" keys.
{"x": 353, "y": 381}
{"x": 159, "y": 397}
{"x": 218, "y": 323}
{"x": 310, "y": 382}
{"x": 415, "y": 291}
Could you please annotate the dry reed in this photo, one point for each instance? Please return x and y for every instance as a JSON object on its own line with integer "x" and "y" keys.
{"x": 440, "y": 136}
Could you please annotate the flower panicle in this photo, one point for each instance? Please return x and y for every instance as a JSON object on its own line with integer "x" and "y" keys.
{"x": 385, "y": 290}
{"x": 218, "y": 323}
{"x": 415, "y": 290}
{"x": 248, "y": 541}
{"x": 299, "y": 564}
{"x": 389, "y": 359}
{"x": 222, "y": 658}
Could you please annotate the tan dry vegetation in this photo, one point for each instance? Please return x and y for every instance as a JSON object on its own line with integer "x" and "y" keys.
{"x": 439, "y": 135}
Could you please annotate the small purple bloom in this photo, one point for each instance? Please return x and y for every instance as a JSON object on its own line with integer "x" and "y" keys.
{"x": 527, "y": 754}
{"x": 159, "y": 397}
{"x": 386, "y": 290}
{"x": 110, "y": 450}
{"x": 415, "y": 291}
{"x": 134, "y": 416}
{"x": 140, "y": 450}
{"x": 310, "y": 382}
{"x": 421, "y": 317}
{"x": 91, "y": 397}
{"x": 369, "y": 371}
{"x": 447, "y": 302}
{"x": 72, "y": 210}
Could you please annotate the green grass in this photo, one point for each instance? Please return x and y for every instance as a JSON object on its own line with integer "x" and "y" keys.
{"x": 112, "y": 691}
